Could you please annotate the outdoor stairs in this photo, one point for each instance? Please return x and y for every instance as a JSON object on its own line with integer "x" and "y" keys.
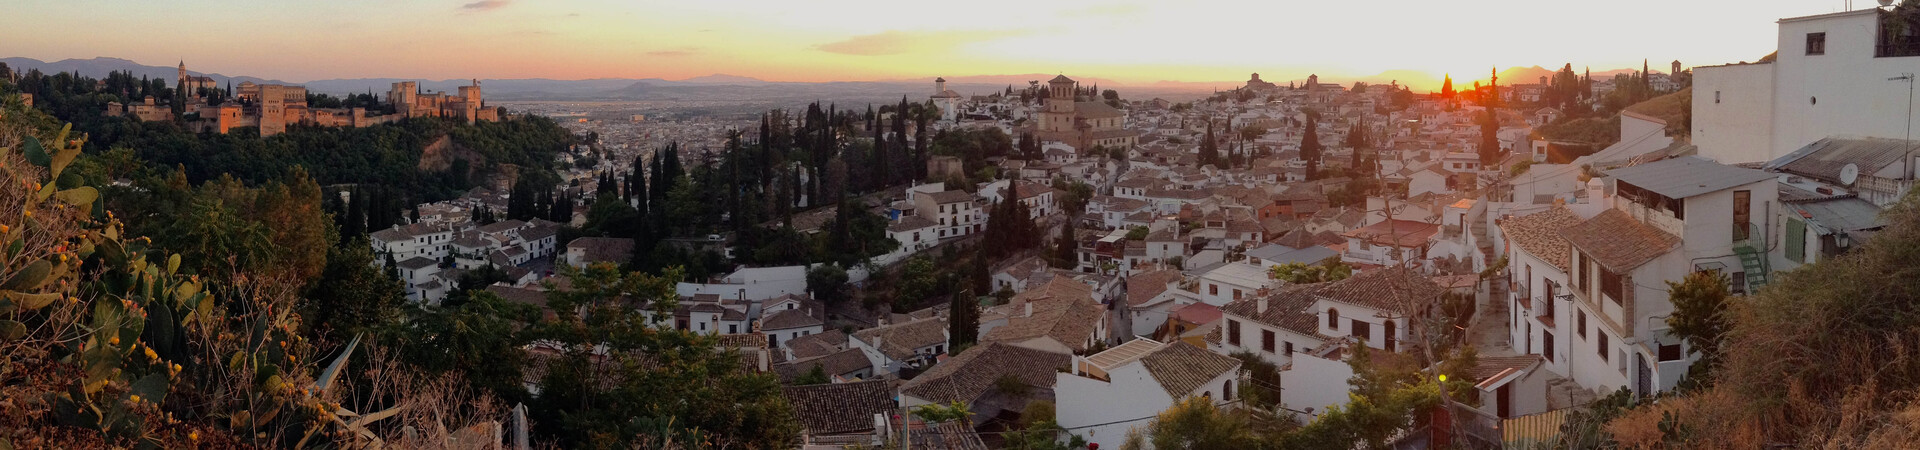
{"x": 1754, "y": 262}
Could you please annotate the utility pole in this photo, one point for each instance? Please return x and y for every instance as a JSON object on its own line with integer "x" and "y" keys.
{"x": 1906, "y": 158}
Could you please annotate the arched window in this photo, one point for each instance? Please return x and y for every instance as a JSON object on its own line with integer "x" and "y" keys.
{"x": 1226, "y": 391}
{"x": 1333, "y": 318}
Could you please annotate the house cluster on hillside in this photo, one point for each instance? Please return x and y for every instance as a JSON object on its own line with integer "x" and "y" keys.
{"x": 1564, "y": 258}
{"x": 1553, "y": 267}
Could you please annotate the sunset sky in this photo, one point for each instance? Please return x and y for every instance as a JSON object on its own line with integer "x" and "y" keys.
{"x": 829, "y": 40}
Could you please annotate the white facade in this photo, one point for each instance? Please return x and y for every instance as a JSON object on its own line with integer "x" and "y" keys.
{"x": 1826, "y": 81}
{"x": 1313, "y": 383}
{"x": 1239, "y": 333}
{"x": 1232, "y": 281}
{"x": 1090, "y": 406}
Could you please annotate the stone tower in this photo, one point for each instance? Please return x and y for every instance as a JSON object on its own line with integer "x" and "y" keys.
{"x": 403, "y": 96}
{"x": 470, "y": 101}
{"x": 182, "y": 79}
{"x": 939, "y": 85}
{"x": 1058, "y": 117}
{"x": 1676, "y": 68}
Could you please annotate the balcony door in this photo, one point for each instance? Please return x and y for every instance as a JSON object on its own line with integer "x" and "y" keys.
{"x": 1742, "y": 215}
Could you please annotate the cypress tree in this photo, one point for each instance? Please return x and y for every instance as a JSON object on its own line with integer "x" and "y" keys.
{"x": 1209, "y": 151}
{"x": 1310, "y": 148}
{"x": 881, "y": 161}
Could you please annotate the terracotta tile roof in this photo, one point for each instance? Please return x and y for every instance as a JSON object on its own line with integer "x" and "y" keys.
{"x": 945, "y": 197}
{"x": 1406, "y": 233}
{"x": 817, "y": 344}
{"x": 837, "y": 363}
{"x": 742, "y": 341}
{"x": 1618, "y": 242}
{"x": 899, "y": 341}
{"x": 970, "y": 374}
{"x": 788, "y": 319}
{"x": 837, "y": 408}
{"x": 1070, "y": 325}
{"x": 1147, "y": 285}
{"x": 1181, "y": 368}
{"x": 910, "y": 223}
{"x": 1393, "y": 289}
{"x": 1197, "y": 313}
{"x": 1539, "y": 234}
{"x": 1289, "y": 308}
{"x": 601, "y": 249}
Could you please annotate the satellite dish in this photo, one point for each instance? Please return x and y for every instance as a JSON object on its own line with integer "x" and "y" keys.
{"x": 1849, "y": 173}
{"x": 1885, "y": 3}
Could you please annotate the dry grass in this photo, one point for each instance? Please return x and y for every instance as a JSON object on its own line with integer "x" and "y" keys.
{"x": 1822, "y": 358}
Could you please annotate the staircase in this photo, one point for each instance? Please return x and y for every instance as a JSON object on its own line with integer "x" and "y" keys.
{"x": 1754, "y": 262}
{"x": 1753, "y": 257}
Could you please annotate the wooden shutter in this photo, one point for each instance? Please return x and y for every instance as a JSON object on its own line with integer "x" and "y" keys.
{"x": 1796, "y": 240}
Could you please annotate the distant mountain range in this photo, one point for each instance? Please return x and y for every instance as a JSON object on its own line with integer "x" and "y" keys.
{"x": 723, "y": 87}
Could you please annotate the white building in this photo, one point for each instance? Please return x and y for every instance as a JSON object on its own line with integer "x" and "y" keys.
{"x": 1138, "y": 379}
{"x": 785, "y": 325}
{"x": 1830, "y": 78}
{"x": 893, "y": 347}
{"x": 1233, "y": 281}
{"x": 1274, "y": 326}
{"x": 953, "y": 211}
{"x": 413, "y": 240}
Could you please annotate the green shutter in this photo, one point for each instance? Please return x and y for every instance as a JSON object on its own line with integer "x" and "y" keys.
{"x": 1796, "y": 240}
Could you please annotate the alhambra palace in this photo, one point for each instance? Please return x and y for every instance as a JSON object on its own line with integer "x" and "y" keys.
{"x": 271, "y": 107}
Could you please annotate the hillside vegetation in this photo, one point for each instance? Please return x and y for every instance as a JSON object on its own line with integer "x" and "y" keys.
{"x": 1823, "y": 358}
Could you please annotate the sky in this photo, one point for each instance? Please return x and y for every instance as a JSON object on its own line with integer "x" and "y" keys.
{"x": 1129, "y": 42}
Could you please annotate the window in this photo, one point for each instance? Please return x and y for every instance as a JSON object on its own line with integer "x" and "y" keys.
{"x": 1742, "y": 215}
{"x": 1266, "y": 341}
{"x": 732, "y": 328}
{"x": 1612, "y": 284}
{"x": 1716, "y": 97}
{"x": 1579, "y": 272}
{"x": 1233, "y": 332}
{"x": 1213, "y": 289}
{"x": 1796, "y": 241}
{"x": 1600, "y": 346}
{"x": 1226, "y": 391}
{"x": 1289, "y": 349}
{"x": 1671, "y": 352}
{"x": 1546, "y": 344}
{"x": 1236, "y": 294}
{"x": 1622, "y": 361}
{"x": 1333, "y": 318}
{"x": 1817, "y": 43}
{"x": 1361, "y": 330}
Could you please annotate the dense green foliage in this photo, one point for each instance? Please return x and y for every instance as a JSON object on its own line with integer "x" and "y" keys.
{"x": 379, "y": 154}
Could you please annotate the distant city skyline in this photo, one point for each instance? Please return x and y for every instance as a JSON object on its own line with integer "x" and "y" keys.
{"x": 1133, "y": 43}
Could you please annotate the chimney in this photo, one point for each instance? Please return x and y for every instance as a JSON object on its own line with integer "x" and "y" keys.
{"x": 1029, "y": 309}
{"x": 1260, "y": 305}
